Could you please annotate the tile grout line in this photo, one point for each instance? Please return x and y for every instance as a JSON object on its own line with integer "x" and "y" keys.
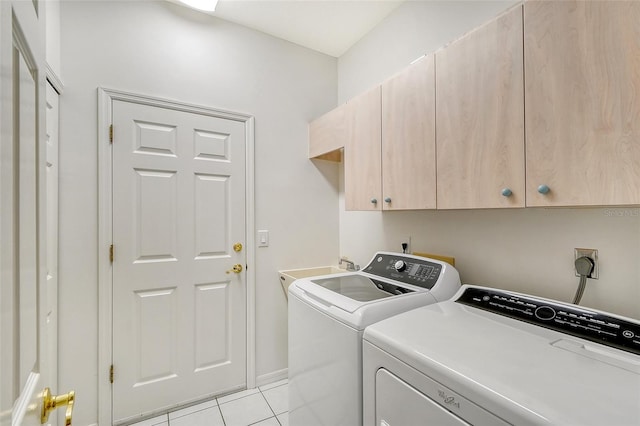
{"x": 268, "y": 405}
{"x": 220, "y": 411}
{"x": 219, "y": 406}
{"x": 272, "y": 410}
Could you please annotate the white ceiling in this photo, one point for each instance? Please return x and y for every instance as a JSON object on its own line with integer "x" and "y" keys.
{"x": 327, "y": 26}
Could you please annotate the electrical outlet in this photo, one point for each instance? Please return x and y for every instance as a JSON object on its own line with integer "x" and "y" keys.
{"x": 590, "y": 253}
{"x": 407, "y": 240}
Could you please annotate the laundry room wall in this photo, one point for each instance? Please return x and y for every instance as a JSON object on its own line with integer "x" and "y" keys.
{"x": 527, "y": 250}
{"x": 52, "y": 35}
{"x": 165, "y": 50}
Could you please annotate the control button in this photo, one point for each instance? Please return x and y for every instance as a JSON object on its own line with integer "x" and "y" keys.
{"x": 379, "y": 258}
{"x": 545, "y": 313}
{"x": 628, "y": 334}
{"x": 486, "y": 298}
{"x": 400, "y": 265}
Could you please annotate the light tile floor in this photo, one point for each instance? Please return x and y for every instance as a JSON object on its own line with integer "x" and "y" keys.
{"x": 267, "y": 405}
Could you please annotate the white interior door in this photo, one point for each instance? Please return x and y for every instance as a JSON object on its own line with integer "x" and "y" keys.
{"x": 179, "y": 311}
{"x": 51, "y": 313}
{"x": 25, "y": 333}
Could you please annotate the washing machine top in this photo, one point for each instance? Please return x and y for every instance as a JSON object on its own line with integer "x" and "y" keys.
{"x": 527, "y": 360}
{"x": 391, "y": 282}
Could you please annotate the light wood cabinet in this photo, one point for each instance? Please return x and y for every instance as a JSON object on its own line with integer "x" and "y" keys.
{"x": 408, "y": 138}
{"x": 480, "y": 117}
{"x": 327, "y": 135}
{"x": 582, "y": 67}
{"x": 362, "y": 154}
{"x": 539, "y": 107}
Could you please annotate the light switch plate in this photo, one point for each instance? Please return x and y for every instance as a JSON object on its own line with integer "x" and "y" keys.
{"x": 263, "y": 238}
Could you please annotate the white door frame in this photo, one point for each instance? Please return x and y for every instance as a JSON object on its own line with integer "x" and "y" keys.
{"x": 105, "y": 228}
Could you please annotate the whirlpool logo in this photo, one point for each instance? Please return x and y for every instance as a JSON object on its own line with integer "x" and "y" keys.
{"x": 449, "y": 400}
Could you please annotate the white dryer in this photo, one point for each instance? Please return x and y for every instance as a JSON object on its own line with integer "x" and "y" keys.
{"x": 492, "y": 357}
{"x": 327, "y": 316}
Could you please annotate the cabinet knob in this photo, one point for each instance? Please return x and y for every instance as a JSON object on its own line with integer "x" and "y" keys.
{"x": 543, "y": 189}
{"x": 506, "y": 192}
{"x": 374, "y": 201}
{"x": 387, "y": 200}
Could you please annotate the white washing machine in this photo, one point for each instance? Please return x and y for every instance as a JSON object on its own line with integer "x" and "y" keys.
{"x": 327, "y": 316}
{"x": 492, "y": 357}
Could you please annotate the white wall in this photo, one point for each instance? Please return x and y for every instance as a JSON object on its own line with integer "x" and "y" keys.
{"x": 527, "y": 250}
{"x": 410, "y": 31}
{"x": 162, "y": 49}
{"x": 52, "y": 39}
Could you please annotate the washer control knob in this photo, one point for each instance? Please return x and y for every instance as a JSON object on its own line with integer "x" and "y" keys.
{"x": 400, "y": 265}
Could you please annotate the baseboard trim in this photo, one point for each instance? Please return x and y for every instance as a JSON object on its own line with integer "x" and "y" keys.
{"x": 274, "y": 376}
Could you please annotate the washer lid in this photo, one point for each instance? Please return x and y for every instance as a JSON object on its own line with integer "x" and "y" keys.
{"x": 348, "y": 292}
{"x": 359, "y": 287}
{"x": 355, "y": 299}
{"x": 516, "y": 370}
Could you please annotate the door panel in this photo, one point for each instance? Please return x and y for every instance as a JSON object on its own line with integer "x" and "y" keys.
{"x": 211, "y": 215}
{"x": 154, "y": 215}
{"x": 212, "y": 308}
{"x": 179, "y": 320}
{"x": 26, "y": 218}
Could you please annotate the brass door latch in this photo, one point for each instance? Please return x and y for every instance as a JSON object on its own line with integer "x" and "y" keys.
{"x": 51, "y": 402}
{"x": 237, "y": 268}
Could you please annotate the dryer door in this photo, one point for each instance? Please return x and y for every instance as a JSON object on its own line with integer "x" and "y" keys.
{"x": 399, "y": 404}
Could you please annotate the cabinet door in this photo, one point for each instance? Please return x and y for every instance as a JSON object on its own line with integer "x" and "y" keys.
{"x": 582, "y": 65}
{"x": 362, "y": 167}
{"x": 327, "y": 135}
{"x": 408, "y": 138}
{"x": 480, "y": 117}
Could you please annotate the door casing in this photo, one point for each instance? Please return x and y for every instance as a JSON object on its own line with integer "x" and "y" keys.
{"x": 105, "y": 203}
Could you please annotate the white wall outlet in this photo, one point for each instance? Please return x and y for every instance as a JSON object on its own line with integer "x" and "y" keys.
{"x": 590, "y": 253}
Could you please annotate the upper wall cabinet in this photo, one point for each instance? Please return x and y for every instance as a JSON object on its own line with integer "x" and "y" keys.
{"x": 362, "y": 162}
{"x": 582, "y": 67}
{"x": 480, "y": 117}
{"x": 408, "y": 138}
{"x": 327, "y": 135}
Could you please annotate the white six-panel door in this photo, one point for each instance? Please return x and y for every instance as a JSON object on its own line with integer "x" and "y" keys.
{"x": 179, "y": 311}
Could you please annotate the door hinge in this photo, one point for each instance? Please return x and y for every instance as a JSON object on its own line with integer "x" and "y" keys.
{"x": 111, "y": 133}
{"x": 111, "y": 374}
{"x": 111, "y": 253}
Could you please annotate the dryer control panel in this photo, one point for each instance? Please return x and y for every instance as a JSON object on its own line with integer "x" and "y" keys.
{"x": 406, "y": 269}
{"x": 566, "y": 318}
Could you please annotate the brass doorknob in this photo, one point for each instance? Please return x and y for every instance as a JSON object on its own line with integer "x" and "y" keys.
{"x": 51, "y": 402}
{"x": 237, "y": 268}
{"x": 237, "y": 247}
